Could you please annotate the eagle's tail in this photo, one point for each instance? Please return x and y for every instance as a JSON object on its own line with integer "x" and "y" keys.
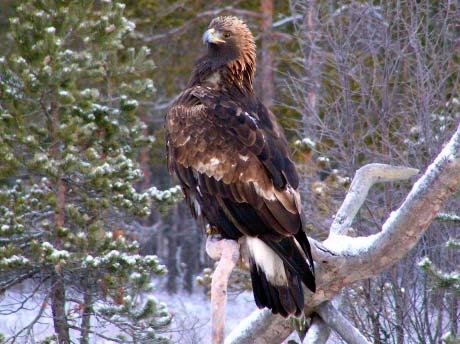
{"x": 278, "y": 269}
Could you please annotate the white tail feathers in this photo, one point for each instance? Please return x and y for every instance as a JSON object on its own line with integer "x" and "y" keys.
{"x": 267, "y": 260}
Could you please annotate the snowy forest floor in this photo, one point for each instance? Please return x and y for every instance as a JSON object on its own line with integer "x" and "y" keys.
{"x": 191, "y": 324}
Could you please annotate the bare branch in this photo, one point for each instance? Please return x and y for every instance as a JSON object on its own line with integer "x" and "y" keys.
{"x": 335, "y": 320}
{"x": 364, "y": 179}
{"x": 228, "y": 253}
{"x": 286, "y": 20}
{"x": 30, "y": 325}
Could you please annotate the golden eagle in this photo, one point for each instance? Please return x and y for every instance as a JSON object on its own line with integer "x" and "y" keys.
{"x": 233, "y": 163}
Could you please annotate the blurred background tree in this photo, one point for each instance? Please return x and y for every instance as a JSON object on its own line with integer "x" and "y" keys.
{"x": 70, "y": 137}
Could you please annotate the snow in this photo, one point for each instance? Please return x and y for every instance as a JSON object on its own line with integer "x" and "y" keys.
{"x": 306, "y": 141}
{"x": 59, "y": 254}
{"x": 162, "y": 195}
{"x": 14, "y": 260}
{"x": 424, "y": 262}
{"x": 352, "y": 246}
{"x": 50, "y": 29}
{"x": 191, "y": 315}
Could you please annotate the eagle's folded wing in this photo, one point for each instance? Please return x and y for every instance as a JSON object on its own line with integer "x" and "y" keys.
{"x": 239, "y": 159}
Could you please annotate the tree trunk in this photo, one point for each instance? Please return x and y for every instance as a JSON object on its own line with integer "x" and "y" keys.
{"x": 190, "y": 245}
{"x": 87, "y": 312}
{"x": 307, "y": 37}
{"x": 171, "y": 284}
{"x": 58, "y": 300}
{"x": 61, "y": 327}
{"x": 266, "y": 56}
{"x": 453, "y": 314}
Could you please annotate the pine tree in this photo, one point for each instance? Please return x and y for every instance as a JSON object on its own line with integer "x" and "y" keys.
{"x": 69, "y": 136}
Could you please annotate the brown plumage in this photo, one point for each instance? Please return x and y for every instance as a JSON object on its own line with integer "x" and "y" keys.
{"x": 232, "y": 160}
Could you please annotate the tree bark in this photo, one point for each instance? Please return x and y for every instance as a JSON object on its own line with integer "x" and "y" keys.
{"x": 58, "y": 309}
{"x": 173, "y": 272}
{"x": 266, "y": 56}
{"x": 86, "y": 313}
{"x": 58, "y": 300}
{"x": 261, "y": 327}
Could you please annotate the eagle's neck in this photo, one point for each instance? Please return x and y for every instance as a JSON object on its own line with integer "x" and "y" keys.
{"x": 234, "y": 77}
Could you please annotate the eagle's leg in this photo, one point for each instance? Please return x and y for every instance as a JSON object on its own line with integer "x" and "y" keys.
{"x": 227, "y": 252}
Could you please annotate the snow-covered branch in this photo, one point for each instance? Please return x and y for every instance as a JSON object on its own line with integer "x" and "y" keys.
{"x": 342, "y": 260}
{"x": 260, "y": 327}
{"x": 364, "y": 179}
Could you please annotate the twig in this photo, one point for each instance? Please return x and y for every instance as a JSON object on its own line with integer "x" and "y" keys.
{"x": 29, "y": 326}
{"x": 286, "y": 20}
{"x": 228, "y": 253}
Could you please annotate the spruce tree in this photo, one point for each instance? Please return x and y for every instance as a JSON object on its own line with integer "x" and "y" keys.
{"x": 70, "y": 133}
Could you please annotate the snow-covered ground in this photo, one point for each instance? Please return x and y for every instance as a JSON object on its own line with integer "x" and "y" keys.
{"x": 191, "y": 324}
{"x": 192, "y": 314}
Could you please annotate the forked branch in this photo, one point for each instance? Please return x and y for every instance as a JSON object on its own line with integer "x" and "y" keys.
{"x": 342, "y": 260}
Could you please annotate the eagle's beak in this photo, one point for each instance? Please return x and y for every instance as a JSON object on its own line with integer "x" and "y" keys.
{"x": 212, "y": 36}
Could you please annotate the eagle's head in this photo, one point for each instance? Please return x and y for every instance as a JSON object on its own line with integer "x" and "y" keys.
{"x": 229, "y": 40}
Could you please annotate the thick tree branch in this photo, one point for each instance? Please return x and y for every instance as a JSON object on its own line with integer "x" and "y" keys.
{"x": 406, "y": 225}
{"x": 261, "y": 327}
{"x": 228, "y": 253}
{"x": 336, "y": 321}
{"x": 342, "y": 260}
{"x": 364, "y": 179}
{"x": 318, "y": 333}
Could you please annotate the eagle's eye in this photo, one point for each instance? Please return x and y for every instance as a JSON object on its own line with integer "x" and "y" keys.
{"x": 227, "y": 34}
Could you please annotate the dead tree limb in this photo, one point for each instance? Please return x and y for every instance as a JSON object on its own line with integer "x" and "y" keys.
{"x": 342, "y": 260}
{"x": 262, "y": 325}
{"x": 227, "y": 252}
{"x": 364, "y": 179}
{"x": 318, "y": 332}
{"x": 336, "y": 321}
